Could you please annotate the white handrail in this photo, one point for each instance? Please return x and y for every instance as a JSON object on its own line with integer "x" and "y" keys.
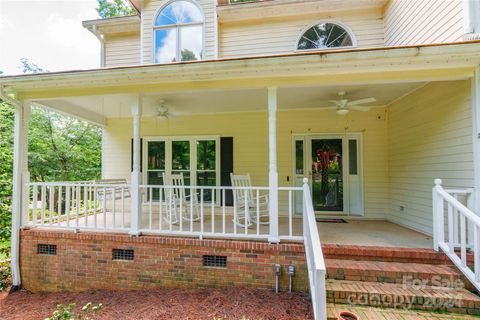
{"x": 462, "y": 229}
{"x": 314, "y": 255}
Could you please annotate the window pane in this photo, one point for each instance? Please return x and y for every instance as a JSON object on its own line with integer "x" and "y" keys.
{"x": 299, "y": 157}
{"x": 206, "y": 155}
{"x": 191, "y": 43}
{"x": 156, "y": 155}
{"x": 179, "y": 12}
{"x": 165, "y": 45}
{"x": 324, "y": 35}
{"x": 206, "y": 178}
{"x": 353, "y": 160}
{"x": 181, "y": 155}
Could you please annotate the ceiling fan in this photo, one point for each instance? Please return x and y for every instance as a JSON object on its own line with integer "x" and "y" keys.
{"x": 343, "y": 105}
{"x": 162, "y": 111}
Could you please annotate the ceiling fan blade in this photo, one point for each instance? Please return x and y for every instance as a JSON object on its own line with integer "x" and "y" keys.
{"x": 360, "y": 108}
{"x": 361, "y": 101}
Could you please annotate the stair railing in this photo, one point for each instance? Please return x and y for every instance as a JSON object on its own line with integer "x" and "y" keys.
{"x": 313, "y": 252}
{"x": 456, "y": 233}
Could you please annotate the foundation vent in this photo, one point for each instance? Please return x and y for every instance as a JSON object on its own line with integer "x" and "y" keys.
{"x": 47, "y": 249}
{"x": 215, "y": 261}
{"x": 123, "y": 254}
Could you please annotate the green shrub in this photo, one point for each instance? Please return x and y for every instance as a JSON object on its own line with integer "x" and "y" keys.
{"x": 5, "y": 274}
{"x": 67, "y": 312}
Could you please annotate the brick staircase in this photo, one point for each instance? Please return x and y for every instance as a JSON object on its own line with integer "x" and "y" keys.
{"x": 396, "y": 283}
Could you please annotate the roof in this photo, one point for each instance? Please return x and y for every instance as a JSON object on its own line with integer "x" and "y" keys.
{"x": 266, "y": 70}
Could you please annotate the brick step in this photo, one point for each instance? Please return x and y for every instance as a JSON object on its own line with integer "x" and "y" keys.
{"x": 387, "y": 254}
{"x": 391, "y": 295}
{"x": 372, "y": 313}
{"x": 396, "y": 272}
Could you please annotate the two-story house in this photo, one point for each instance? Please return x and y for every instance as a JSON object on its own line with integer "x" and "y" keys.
{"x": 229, "y": 128}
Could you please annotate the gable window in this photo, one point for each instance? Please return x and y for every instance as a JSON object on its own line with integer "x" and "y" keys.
{"x": 326, "y": 35}
{"x": 178, "y": 33}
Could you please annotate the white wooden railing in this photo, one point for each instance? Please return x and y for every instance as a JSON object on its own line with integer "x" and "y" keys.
{"x": 165, "y": 210}
{"x": 314, "y": 255}
{"x": 77, "y": 205}
{"x": 459, "y": 232}
{"x": 201, "y": 211}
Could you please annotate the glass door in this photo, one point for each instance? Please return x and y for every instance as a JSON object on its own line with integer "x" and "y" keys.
{"x": 327, "y": 174}
{"x": 155, "y": 165}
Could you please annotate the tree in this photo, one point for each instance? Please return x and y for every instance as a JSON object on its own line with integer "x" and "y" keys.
{"x": 114, "y": 8}
{"x": 188, "y": 55}
{"x": 61, "y": 148}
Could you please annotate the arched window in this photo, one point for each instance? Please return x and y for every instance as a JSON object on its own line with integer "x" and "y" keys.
{"x": 325, "y": 35}
{"x": 178, "y": 33}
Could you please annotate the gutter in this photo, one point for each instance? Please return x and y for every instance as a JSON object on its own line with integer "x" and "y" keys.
{"x": 15, "y": 237}
{"x": 100, "y": 37}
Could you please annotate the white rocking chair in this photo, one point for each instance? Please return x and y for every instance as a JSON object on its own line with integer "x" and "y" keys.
{"x": 246, "y": 203}
{"x": 177, "y": 201}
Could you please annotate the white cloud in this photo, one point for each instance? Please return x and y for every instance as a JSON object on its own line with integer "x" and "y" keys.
{"x": 49, "y": 33}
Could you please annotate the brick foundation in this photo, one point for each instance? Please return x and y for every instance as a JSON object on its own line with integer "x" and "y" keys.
{"x": 84, "y": 262}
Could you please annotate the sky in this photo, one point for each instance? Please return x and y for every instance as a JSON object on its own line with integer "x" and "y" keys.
{"x": 49, "y": 33}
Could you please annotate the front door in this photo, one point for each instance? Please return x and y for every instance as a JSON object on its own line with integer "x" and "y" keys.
{"x": 333, "y": 165}
{"x": 327, "y": 173}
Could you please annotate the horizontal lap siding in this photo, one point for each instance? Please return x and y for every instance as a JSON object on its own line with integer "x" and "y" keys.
{"x": 122, "y": 50}
{"x": 429, "y": 137}
{"x": 148, "y": 15}
{"x": 250, "y": 142}
{"x": 423, "y": 21}
{"x": 272, "y": 36}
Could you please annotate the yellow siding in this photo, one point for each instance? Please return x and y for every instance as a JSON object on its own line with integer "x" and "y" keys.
{"x": 250, "y": 134}
{"x": 423, "y": 21}
{"x": 429, "y": 136}
{"x": 149, "y": 11}
{"x": 122, "y": 50}
{"x": 272, "y": 36}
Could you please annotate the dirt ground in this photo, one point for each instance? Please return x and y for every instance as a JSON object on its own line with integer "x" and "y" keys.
{"x": 171, "y": 304}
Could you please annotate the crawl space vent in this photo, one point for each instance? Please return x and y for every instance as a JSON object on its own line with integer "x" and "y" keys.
{"x": 122, "y": 254}
{"x": 215, "y": 261}
{"x": 47, "y": 249}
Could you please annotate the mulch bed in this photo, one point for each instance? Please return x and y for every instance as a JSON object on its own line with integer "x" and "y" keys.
{"x": 171, "y": 304}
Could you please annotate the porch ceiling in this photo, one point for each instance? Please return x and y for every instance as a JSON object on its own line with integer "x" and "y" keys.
{"x": 101, "y": 107}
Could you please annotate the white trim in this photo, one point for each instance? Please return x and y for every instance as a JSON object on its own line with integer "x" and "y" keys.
{"x": 331, "y": 21}
{"x": 475, "y": 96}
{"x": 177, "y": 27}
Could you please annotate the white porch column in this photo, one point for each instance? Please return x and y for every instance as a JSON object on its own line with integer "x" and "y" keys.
{"x": 273, "y": 174}
{"x": 476, "y": 137}
{"x": 21, "y": 177}
{"x": 136, "y": 178}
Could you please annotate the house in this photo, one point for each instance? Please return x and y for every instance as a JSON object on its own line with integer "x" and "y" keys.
{"x": 331, "y": 109}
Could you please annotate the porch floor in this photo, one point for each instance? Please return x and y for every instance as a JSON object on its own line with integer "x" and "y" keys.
{"x": 354, "y": 232}
{"x": 372, "y": 233}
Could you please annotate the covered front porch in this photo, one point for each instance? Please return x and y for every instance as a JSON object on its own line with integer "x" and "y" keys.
{"x": 271, "y": 121}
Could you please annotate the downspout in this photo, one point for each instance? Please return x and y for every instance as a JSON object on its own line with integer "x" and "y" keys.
{"x": 102, "y": 45}
{"x": 15, "y": 237}
{"x": 471, "y": 15}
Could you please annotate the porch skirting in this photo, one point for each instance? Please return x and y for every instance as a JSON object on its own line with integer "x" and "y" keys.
{"x": 84, "y": 261}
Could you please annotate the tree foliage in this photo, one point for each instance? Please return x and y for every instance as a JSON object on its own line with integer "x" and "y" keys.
{"x": 61, "y": 148}
{"x": 114, "y": 8}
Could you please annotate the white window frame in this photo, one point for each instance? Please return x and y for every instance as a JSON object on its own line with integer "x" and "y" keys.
{"x": 338, "y": 23}
{"x": 177, "y": 27}
{"x": 193, "y": 155}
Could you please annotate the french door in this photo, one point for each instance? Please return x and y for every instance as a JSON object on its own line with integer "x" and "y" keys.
{"x": 332, "y": 164}
{"x": 197, "y": 158}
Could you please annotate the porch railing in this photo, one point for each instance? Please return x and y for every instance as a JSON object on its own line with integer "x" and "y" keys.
{"x": 314, "y": 255}
{"x": 77, "y": 205}
{"x": 198, "y": 211}
{"x": 456, "y": 229}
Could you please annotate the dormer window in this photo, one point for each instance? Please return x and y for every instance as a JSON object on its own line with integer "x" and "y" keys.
{"x": 178, "y": 32}
{"x": 326, "y": 35}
